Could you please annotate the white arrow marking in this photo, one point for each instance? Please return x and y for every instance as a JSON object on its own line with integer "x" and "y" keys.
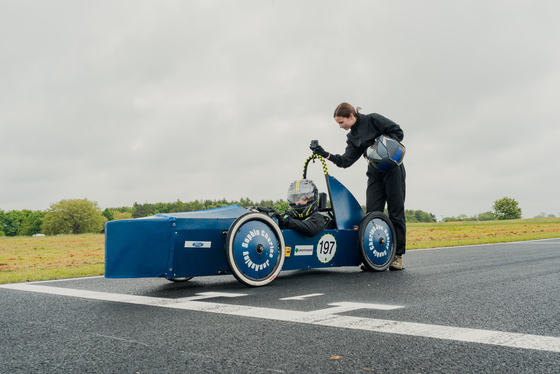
{"x": 346, "y": 307}
{"x": 210, "y": 295}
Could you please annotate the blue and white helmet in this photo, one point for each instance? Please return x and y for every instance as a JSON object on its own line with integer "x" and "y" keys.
{"x": 385, "y": 153}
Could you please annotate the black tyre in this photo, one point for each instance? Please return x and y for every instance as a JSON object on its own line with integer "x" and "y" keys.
{"x": 177, "y": 280}
{"x": 376, "y": 241}
{"x": 255, "y": 249}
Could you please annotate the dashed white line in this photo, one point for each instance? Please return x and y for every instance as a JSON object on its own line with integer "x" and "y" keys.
{"x": 302, "y": 297}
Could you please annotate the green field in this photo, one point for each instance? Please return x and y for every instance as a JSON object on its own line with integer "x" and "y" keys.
{"x": 24, "y": 259}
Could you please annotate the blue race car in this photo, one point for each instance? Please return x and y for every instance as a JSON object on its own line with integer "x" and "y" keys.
{"x": 248, "y": 243}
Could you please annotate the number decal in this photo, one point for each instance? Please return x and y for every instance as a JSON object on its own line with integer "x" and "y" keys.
{"x": 326, "y": 248}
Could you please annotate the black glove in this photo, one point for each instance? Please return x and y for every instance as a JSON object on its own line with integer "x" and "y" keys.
{"x": 318, "y": 150}
{"x": 282, "y": 222}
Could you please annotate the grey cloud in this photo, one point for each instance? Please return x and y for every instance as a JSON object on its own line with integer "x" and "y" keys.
{"x": 125, "y": 101}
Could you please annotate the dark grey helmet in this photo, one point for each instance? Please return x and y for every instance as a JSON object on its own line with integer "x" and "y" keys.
{"x": 303, "y": 198}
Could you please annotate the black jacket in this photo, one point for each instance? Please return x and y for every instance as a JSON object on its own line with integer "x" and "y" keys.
{"x": 310, "y": 226}
{"x": 364, "y": 132}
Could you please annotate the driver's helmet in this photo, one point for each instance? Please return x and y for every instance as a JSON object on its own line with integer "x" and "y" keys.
{"x": 385, "y": 153}
{"x": 303, "y": 198}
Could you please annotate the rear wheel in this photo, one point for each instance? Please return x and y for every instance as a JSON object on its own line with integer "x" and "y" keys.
{"x": 255, "y": 249}
{"x": 177, "y": 280}
{"x": 376, "y": 241}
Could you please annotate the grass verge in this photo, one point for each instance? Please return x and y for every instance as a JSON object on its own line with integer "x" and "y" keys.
{"x": 450, "y": 234}
{"x": 24, "y": 259}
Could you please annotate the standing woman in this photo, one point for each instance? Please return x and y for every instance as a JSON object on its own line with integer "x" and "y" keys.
{"x": 383, "y": 186}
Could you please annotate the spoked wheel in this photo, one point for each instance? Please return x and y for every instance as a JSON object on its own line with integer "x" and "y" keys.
{"x": 255, "y": 249}
{"x": 177, "y": 280}
{"x": 376, "y": 241}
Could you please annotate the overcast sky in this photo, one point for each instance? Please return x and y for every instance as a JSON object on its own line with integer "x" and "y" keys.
{"x": 153, "y": 101}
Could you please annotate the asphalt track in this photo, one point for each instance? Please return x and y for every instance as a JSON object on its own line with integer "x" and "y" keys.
{"x": 479, "y": 309}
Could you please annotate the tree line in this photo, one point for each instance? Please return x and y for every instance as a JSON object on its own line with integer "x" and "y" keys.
{"x": 78, "y": 216}
{"x": 502, "y": 209}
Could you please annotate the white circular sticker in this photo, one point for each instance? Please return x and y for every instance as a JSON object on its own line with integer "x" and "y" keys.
{"x": 326, "y": 248}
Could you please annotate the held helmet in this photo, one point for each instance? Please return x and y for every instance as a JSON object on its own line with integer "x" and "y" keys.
{"x": 385, "y": 153}
{"x": 303, "y": 198}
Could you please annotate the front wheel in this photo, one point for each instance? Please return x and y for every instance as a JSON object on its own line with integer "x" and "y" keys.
{"x": 376, "y": 241}
{"x": 255, "y": 249}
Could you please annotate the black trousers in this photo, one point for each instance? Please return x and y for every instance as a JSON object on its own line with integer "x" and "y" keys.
{"x": 389, "y": 187}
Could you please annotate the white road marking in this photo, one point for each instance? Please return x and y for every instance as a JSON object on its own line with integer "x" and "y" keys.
{"x": 210, "y": 295}
{"x": 323, "y": 317}
{"x": 347, "y": 307}
{"x": 302, "y": 297}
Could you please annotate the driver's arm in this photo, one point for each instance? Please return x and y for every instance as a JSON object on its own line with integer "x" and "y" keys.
{"x": 310, "y": 226}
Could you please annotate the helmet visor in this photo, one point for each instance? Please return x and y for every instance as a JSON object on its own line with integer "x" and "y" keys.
{"x": 385, "y": 153}
{"x": 299, "y": 198}
{"x": 378, "y": 151}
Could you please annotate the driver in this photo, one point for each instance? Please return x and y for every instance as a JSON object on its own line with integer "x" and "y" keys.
{"x": 303, "y": 215}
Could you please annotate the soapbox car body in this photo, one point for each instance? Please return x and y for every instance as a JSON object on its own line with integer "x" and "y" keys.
{"x": 248, "y": 243}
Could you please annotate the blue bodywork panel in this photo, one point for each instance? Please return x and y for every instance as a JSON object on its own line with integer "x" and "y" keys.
{"x": 138, "y": 248}
{"x": 169, "y": 245}
{"x": 191, "y": 244}
{"x": 345, "y": 251}
{"x": 348, "y": 212}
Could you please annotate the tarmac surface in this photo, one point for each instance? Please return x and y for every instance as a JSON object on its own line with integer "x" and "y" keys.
{"x": 477, "y": 309}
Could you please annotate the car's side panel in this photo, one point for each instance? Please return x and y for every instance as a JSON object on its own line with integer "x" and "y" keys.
{"x": 331, "y": 248}
{"x": 199, "y": 252}
{"x": 136, "y": 248}
{"x": 169, "y": 245}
